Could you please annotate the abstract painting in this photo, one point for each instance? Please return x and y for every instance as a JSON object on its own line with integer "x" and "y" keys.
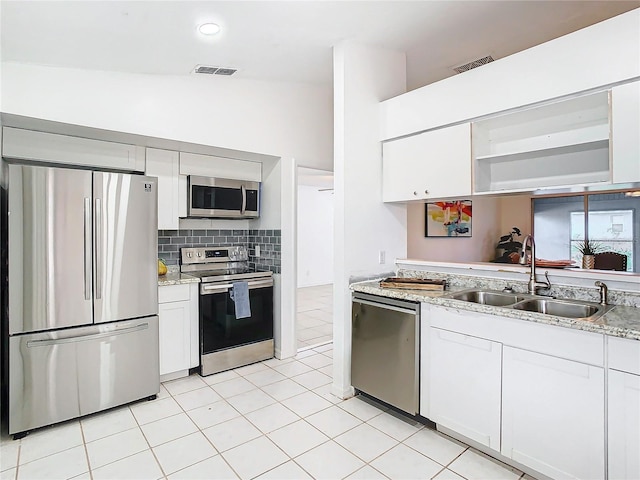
{"x": 448, "y": 219}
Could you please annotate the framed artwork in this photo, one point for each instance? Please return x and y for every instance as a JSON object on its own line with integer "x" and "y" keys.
{"x": 448, "y": 219}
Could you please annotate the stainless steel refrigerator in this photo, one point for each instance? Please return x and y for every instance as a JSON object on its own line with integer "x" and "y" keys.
{"x": 83, "y": 293}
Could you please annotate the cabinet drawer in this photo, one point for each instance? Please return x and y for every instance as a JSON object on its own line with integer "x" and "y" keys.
{"x": 624, "y": 354}
{"x": 173, "y": 293}
{"x": 562, "y": 342}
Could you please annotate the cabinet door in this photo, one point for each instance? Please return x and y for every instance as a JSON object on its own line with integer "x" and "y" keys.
{"x": 434, "y": 164}
{"x": 164, "y": 164}
{"x": 624, "y": 426}
{"x": 175, "y": 337}
{"x": 52, "y": 148}
{"x": 211, "y": 166}
{"x": 464, "y": 390}
{"x": 553, "y": 414}
{"x": 625, "y": 125}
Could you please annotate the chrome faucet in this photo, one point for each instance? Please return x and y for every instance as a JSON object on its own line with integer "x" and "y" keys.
{"x": 603, "y": 291}
{"x": 533, "y": 284}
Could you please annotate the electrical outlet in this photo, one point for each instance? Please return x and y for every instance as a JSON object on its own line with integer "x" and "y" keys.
{"x": 381, "y": 257}
{"x": 257, "y": 249}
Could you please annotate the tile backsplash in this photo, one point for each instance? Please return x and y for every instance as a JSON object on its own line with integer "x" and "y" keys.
{"x": 170, "y": 242}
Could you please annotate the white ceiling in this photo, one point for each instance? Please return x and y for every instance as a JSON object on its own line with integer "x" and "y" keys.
{"x": 283, "y": 40}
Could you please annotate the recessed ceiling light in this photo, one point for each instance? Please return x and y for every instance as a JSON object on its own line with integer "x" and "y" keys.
{"x": 209, "y": 28}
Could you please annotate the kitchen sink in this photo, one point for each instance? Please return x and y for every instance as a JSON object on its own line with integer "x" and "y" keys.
{"x": 560, "y": 308}
{"x": 484, "y": 297}
{"x": 532, "y": 303}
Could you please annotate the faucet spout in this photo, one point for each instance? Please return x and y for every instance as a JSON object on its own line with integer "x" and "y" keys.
{"x": 533, "y": 286}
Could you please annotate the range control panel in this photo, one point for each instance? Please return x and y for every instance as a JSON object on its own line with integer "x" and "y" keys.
{"x": 237, "y": 253}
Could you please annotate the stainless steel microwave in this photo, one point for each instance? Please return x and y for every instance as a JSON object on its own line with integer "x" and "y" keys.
{"x": 222, "y": 198}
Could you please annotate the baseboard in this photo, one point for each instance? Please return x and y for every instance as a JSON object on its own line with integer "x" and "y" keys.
{"x": 342, "y": 393}
{"x": 172, "y": 376}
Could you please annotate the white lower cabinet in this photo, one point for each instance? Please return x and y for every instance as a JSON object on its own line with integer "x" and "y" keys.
{"x": 624, "y": 426}
{"x": 465, "y": 385}
{"x": 553, "y": 414}
{"x": 178, "y": 328}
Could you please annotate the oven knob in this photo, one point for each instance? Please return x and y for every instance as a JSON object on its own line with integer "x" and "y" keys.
{"x": 189, "y": 255}
{"x": 199, "y": 254}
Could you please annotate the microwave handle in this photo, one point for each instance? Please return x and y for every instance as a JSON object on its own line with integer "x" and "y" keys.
{"x": 244, "y": 199}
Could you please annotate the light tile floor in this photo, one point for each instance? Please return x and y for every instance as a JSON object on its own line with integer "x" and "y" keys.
{"x": 314, "y": 320}
{"x": 273, "y": 420}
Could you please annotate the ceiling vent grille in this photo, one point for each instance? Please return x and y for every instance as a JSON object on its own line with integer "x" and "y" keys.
{"x": 207, "y": 70}
{"x": 476, "y": 63}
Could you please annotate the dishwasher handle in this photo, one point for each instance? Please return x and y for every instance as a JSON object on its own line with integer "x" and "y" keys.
{"x": 386, "y": 306}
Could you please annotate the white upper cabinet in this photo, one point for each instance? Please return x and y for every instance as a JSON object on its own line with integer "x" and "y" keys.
{"x": 594, "y": 57}
{"x": 53, "y": 148}
{"x": 172, "y": 201}
{"x": 210, "y": 166}
{"x": 625, "y": 132}
{"x": 560, "y": 144}
{"x": 435, "y": 164}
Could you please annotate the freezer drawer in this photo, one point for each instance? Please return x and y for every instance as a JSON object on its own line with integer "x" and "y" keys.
{"x": 56, "y": 376}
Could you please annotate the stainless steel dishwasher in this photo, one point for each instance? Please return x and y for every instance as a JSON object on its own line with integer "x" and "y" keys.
{"x": 385, "y": 335}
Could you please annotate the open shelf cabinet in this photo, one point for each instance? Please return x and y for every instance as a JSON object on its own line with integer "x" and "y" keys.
{"x": 559, "y": 144}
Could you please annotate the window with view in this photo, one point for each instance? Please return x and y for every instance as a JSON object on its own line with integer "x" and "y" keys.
{"x": 611, "y": 222}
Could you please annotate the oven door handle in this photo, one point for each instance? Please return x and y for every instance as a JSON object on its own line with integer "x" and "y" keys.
{"x": 224, "y": 287}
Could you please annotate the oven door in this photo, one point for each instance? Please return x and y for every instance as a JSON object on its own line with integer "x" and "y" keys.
{"x": 215, "y": 197}
{"x": 219, "y": 327}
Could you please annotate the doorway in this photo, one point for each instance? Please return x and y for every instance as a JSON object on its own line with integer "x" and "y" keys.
{"x": 314, "y": 292}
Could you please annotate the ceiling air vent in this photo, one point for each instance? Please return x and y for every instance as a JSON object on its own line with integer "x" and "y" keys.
{"x": 225, "y": 71}
{"x": 214, "y": 70}
{"x": 476, "y": 63}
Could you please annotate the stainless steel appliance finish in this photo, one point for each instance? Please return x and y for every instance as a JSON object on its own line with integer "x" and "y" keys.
{"x": 63, "y": 374}
{"x": 82, "y": 266}
{"x": 385, "y": 350}
{"x": 237, "y": 356}
{"x": 226, "y": 341}
{"x": 126, "y": 238}
{"x": 222, "y": 198}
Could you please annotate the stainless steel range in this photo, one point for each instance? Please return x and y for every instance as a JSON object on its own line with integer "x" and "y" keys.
{"x": 228, "y": 339}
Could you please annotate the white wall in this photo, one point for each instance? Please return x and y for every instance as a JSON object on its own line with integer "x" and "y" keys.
{"x": 363, "y": 76}
{"x": 480, "y": 247}
{"x": 315, "y": 236}
{"x": 281, "y": 119}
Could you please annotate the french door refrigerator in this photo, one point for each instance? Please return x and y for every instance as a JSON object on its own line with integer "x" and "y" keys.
{"x": 83, "y": 295}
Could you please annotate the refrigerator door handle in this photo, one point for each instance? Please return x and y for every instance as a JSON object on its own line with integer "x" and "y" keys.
{"x": 87, "y": 248}
{"x": 82, "y": 338}
{"x": 244, "y": 199}
{"x": 98, "y": 243}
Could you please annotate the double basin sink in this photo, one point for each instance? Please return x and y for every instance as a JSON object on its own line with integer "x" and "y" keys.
{"x": 574, "y": 309}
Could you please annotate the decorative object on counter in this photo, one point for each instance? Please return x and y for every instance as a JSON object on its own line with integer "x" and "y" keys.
{"x": 509, "y": 249}
{"x": 448, "y": 219}
{"x": 588, "y": 249}
{"x": 414, "y": 283}
{"x": 162, "y": 268}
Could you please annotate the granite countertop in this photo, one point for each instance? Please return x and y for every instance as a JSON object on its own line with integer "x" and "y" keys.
{"x": 176, "y": 278}
{"x": 620, "y": 321}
